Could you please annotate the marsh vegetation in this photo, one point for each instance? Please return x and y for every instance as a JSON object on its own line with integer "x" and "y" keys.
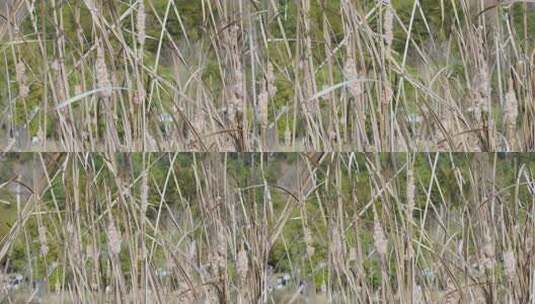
{"x": 270, "y": 228}
{"x": 248, "y": 75}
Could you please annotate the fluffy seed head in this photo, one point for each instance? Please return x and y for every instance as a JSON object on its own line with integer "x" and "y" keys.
{"x": 242, "y": 264}
{"x": 263, "y": 101}
{"x": 103, "y": 76}
{"x": 20, "y": 70}
{"x": 411, "y": 188}
{"x": 42, "y": 240}
{"x": 351, "y": 74}
{"x": 270, "y": 79}
{"x": 509, "y": 262}
{"x": 308, "y": 241}
{"x": 387, "y": 95}
{"x": 389, "y": 27}
{"x": 144, "y": 193}
{"x": 380, "y": 241}
{"x": 22, "y": 79}
{"x": 488, "y": 258}
{"x": 139, "y": 96}
{"x": 140, "y": 23}
{"x": 510, "y": 111}
{"x": 114, "y": 239}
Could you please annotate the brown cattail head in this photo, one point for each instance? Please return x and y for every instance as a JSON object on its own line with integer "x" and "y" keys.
{"x": 482, "y": 88}
{"x": 488, "y": 257}
{"x": 103, "y": 76}
{"x": 263, "y": 102}
{"x": 43, "y": 240}
{"x": 351, "y": 74}
{"x": 140, "y": 23}
{"x": 411, "y": 189}
{"x": 380, "y": 241}
{"x": 242, "y": 264}
{"x": 199, "y": 123}
{"x": 139, "y": 96}
{"x": 336, "y": 248}
{"x": 114, "y": 239}
{"x": 509, "y": 262}
{"x": 22, "y": 79}
{"x": 387, "y": 95}
{"x": 270, "y": 79}
{"x": 510, "y": 114}
{"x": 144, "y": 192}
{"x": 218, "y": 253}
{"x": 236, "y": 98}
{"x": 389, "y": 27}
{"x": 308, "y": 241}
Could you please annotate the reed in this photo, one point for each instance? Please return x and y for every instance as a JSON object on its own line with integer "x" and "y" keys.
{"x": 268, "y": 75}
{"x": 190, "y": 228}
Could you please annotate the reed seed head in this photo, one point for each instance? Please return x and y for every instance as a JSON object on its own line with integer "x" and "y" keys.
{"x": 114, "y": 239}
{"x": 103, "y": 76}
{"x": 509, "y": 262}
{"x": 242, "y": 264}
{"x": 140, "y": 23}
{"x": 389, "y": 27}
{"x": 380, "y": 241}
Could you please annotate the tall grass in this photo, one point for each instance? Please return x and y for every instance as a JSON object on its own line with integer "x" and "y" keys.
{"x": 307, "y": 75}
{"x": 218, "y": 228}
